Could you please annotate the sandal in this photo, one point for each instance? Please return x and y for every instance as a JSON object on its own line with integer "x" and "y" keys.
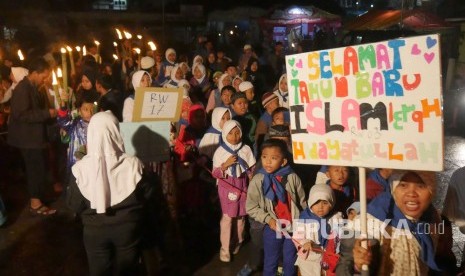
{"x": 42, "y": 210}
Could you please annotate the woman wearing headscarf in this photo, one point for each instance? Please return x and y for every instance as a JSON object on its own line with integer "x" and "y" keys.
{"x": 282, "y": 92}
{"x": 17, "y": 75}
{"x": 166, "y": 67}
{"x": 214, "y": 100}
{"x": 87, "y": 85}
{"x": 108, "y": 190}
{"x": 253, "y": 74}
{"x": 412, "y": 237}
{"x": 200, "y": 81}
{"x": 140, "y": 78}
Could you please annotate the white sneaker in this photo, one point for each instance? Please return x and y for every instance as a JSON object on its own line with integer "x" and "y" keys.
{"x": 237, "y": 248}
{"x": 225, "y": 256}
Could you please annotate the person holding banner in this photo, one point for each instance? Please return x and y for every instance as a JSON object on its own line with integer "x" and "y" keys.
{"x": 413, "y": 238}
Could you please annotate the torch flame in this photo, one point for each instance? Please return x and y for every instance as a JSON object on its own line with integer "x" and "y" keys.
{"x": 115, "y": 44}
{"x": 115, "y": 56}
{"x": 63, "y": 50}
{"x": 54, "y": 78}
{"x": 152, "y": 45}
{"x": 137, "y": 50}
{"x": 97, "y": 42}
{"x": 20, "y": 55}
{"x": 59, "y": 73}
{"x": 84, "y": 51}
{"x": 127, "y": 35}
{"x": 69, "y": 49}
{"x": 118, "y": 32}
{"x": 78, "y": 48}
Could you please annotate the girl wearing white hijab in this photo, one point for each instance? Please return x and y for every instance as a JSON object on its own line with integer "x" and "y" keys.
{"x": 233, "y": 164}
{"x": 108, "y": 190}
{"x": 211, "y": 139}
{"x": 166, "y": 66}
{"x": 176, "y": 77}
{"x": 140, "y": 78}
{"x": 282, "y": 91}
{"x": 200, "y": 80}
{"x": 17, "y": 75}
{"x": 215, "y": 97}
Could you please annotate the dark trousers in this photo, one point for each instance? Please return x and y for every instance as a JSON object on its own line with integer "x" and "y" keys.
{"x": 274, "y": 248}
{"x": 256, "y": 245}
{"x": 112, "y": 249}
{"x": 34, "y": 161}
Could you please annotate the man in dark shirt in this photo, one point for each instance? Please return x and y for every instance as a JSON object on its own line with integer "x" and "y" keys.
{"x": 110, "y": 99}
{"x": 27, "y": 131}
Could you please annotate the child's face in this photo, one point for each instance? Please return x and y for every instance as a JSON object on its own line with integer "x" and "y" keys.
{"x": 226, "y": 81}
{"x": 86, "y": 83}
{"x": 338, "y": 175}
{"x": 272, "y": 159}
{"x": 232, "y": 71}
{"x": 197, "y": 73}
{"x": 179, "y": 75}
{"x": 234, "y": 136}
{"x": 220, "y": 54}
{"x": 226, "y": 97}
{"x": 172, "y": 57}
{"x": 240, "y": 106}
{"x": 211, "y": 58}
{"x": 145, "y": 81}
{"x": 283, "y": 84}
{"x": 198, "y": 119}
{"x": 236, "y": 84}
{"x": 86, "y": 111}
{"x": 352, "y": 214}
{"x": 226, "y": 117}
{"x": 250, "y": 94}
{"x": 271, "y": 106}
{"x": 184, "y": 68}
{"x": 321, "y": 208}
{"x": 278, "y": 119}
{"x": 254, "y": 66}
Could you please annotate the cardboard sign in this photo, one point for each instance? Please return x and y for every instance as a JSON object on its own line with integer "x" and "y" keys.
{"x": 372, "y": 105}
{"x": 157, "y": 104}
{"x": 149, "y": 141}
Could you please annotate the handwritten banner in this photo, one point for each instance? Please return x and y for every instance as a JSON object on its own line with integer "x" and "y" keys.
{"x": 372, "y": 105}
{"x": 157, "y": 104}
{"x": 149, "y": 141}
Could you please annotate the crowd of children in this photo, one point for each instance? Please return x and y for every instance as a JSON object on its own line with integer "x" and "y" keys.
{"x": 233, "y": 140}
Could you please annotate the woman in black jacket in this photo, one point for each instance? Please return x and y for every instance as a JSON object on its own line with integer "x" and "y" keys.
{"x": 108, "y": 190}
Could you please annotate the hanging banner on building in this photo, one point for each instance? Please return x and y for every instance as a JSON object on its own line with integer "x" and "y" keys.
{"x": 372, "y": 105}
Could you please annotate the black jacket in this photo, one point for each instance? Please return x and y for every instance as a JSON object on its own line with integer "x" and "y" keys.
{"x": 128, "y": 210}
{"x": 27, "y": 125}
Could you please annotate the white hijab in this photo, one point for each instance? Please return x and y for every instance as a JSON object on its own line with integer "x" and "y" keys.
{"x": 210, "y": 141}
{"x": 197, "y": 59}
{"x": 167, "y": 53}
{"x": 202, "y": 69}
{"x": 221, "y": 155}
{"x": 19, "y": 73}
{"x": 278, "y": 92}
{"x": 137, "y": 77}
{"x": 106, "y": 175}
{"x": 221, "y": 79}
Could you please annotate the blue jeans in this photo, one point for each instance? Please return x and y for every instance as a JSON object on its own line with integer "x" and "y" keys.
{"x": 274, "y": 248}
